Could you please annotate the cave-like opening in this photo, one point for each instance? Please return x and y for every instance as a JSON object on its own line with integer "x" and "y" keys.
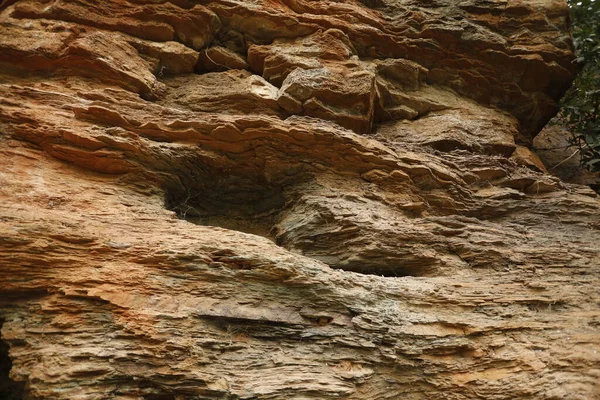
{"x": 9, "y": 389}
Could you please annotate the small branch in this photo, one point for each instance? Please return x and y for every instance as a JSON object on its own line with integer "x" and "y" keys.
{"x": 213, "y": 61}
{"x": 566, "y": 159}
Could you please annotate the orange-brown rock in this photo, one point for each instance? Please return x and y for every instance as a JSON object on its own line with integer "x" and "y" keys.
{"x": 290, "y": 200}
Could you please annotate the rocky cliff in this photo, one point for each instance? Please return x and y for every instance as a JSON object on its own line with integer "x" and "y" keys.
{"x": 290, "y": 199}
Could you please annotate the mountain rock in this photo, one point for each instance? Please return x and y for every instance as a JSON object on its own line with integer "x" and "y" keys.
{"x": 290, "y": 200}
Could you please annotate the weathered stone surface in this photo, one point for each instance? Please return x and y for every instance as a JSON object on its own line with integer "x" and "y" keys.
{"x": 219, "y": 58}
{"x": 562, "y": 158}
{"x": 290, "y": 200}
{"x": 234, "y": 91}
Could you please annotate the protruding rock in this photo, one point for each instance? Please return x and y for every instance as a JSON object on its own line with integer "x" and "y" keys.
{"x": 409, "y": 74}
{"x": 340, "y": 94}
{"x": 234, "y": 92}
{"x": 195, "y": 27}
{"x": 219, "y": 58}
{"x": 277, "y": 60}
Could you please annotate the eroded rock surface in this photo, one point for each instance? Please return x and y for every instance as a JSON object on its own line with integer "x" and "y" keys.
{"x": 290, "y": 200}
{"x": 563, "y": 159}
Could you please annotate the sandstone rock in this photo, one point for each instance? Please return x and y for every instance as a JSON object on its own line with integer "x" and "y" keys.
{"x": 290, "y": 200}
{"x": 561, "y": 158}
{"x": 157, "y": 21}
{"x": 407, "y": 73}
{"x": 342, "y": 94}
{"x": 219, "y": 58}
{"x": 447, "y": 123}
{"x": 277, "y": 60}
{"x": 236, "y": 91}
{"x": 524, "y": 156}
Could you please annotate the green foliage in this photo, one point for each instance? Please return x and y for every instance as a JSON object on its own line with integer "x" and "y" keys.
{"x": 580, "y": 107}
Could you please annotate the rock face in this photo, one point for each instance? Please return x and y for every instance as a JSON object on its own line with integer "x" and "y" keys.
{"x": 554, "y": 149}
{"x": 289, "y": 200}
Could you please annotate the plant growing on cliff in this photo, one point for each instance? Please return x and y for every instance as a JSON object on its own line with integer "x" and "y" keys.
{"x": 580, "y": 107}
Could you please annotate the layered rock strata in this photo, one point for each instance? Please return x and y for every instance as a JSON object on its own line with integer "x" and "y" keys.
{"x": 290, "y": 200}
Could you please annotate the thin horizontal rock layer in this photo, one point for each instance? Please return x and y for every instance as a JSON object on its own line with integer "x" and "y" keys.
{"x": 290, "y": 200}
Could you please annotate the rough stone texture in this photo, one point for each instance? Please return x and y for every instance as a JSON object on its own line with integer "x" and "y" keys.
{"x": 290, "y": 200}
{"x": 553, "y": 147}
